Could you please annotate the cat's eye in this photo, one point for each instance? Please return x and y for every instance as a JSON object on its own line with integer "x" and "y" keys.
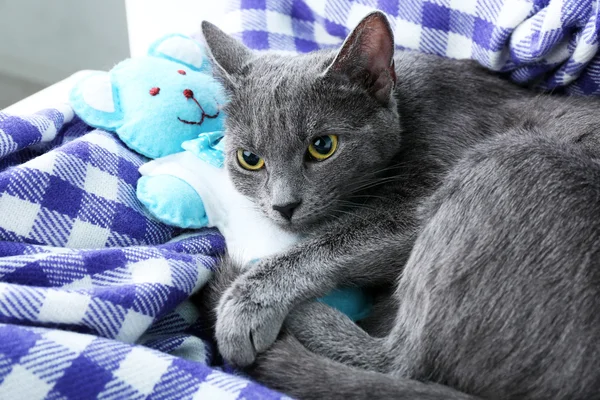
{"x": 249, "y": 161}
{"x": 323, "y": 147}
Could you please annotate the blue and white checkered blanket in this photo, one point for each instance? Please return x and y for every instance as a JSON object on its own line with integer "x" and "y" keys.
{"x": 93, "y": 292}
{"x": 549, "y": 43}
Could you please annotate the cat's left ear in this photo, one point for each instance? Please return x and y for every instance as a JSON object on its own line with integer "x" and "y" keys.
{"x": 367, "y": 57}
{"x": 229, "y": 55}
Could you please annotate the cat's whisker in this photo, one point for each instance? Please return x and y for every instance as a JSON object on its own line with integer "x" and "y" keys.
{"x": 308, "y": 179}
{"x": 251, "y": 207}
{"x": 356, "y": 205}
{"x": 374, "y": 183}
{"x": 355, "y": 215}
{"x": 368, "y": 196}
{"x": 374, "y": 180}
{"x": 396, "y": 165}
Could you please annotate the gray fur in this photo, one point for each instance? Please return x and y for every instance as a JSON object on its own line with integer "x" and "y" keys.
{"x": 288, "y": 358}
{"x": 481, "y": 198}
{"x": 322, "y": 329}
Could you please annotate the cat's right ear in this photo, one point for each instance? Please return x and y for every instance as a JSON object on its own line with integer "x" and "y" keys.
{"x": 367, "y": 57}
{"x": 229, "y": 55}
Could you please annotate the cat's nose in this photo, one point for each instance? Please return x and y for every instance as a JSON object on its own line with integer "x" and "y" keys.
{"x": 287, "y": 210}
{"x": 188, "y": 93}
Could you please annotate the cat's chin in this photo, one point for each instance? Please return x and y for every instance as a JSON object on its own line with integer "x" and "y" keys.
{"x": 298, "y": 226}
{"x": 286, "y": 225}
{"x": 289, "y": 226}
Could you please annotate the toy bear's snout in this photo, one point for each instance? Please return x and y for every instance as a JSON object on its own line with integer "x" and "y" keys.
{"x": 189, "y": 94}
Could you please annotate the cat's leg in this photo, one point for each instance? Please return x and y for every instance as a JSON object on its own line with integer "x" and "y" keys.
{"x": 367, "y": 251}
{"x": 290, "y": 368}
{"x": 207, "y": 299}
{"x": 321, "y": 328}
{"x": 330, "y": 333}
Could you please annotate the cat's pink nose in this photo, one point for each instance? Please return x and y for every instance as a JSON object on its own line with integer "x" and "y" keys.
{"x": 188, "y": 93}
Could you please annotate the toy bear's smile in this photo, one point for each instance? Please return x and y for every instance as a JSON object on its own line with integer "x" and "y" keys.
{"x": 190, "y": 95}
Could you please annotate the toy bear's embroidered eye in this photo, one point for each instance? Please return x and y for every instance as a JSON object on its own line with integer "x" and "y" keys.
{"x": 249, "y": 161}
{"x": 323, "y": 147}
{"x": 182, "y": 72}
{"x": 154, "y": 91}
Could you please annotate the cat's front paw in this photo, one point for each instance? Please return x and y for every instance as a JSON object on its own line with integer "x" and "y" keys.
{"x": 247, "y": 324}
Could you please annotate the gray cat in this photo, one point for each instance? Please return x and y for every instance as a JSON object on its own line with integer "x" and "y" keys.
{"x": 479, "y": 198}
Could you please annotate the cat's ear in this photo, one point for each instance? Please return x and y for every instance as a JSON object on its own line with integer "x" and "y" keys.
{"x": 228, "y": 54}
{"x": 367, "y": 57}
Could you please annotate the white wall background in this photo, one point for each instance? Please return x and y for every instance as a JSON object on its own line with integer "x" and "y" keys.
{"x": 150, "y": 19}
{"x": 44, "y": 41}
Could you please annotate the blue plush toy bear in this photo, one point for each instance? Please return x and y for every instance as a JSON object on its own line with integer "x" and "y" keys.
{"x": 154, "y": 104}
{"x": 168, "y": 107}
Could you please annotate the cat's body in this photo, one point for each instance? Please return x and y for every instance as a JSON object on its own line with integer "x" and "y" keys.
{"x": 480, "y": 198}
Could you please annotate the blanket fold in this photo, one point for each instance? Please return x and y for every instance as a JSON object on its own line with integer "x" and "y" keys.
{"x": 93, "y": 291}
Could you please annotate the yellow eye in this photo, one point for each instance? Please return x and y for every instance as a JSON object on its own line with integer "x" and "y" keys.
{"x": 249, "y": 161}
{"x": 323, "y": 147}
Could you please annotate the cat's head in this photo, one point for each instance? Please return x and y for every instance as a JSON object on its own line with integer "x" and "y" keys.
{"x": 305, "y": 132}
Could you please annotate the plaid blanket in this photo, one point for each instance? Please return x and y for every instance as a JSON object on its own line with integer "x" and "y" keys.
{"x": 549, "y": 43}
{"x": 93, "y": 292}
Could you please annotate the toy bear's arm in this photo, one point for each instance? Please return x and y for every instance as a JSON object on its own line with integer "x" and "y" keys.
{"x": 172, "y": 201}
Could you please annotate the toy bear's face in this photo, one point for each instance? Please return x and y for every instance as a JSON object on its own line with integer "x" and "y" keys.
{"x": 157, "y": 102}
{"x": 165, "y": 103}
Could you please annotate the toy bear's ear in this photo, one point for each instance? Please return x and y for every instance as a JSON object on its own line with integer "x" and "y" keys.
{"x": 181, "y": 49}
{"x": 96, "y": 101}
